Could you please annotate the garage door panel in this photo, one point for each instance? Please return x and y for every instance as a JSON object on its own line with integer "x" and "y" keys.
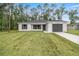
{"x": 57, "y": 28}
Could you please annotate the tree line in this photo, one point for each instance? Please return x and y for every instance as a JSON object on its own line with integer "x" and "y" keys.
{"x": 11, "y": 14}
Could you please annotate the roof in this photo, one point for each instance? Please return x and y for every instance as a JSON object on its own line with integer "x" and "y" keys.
{"x": 42, "y": 21}
{"x": 36, "y": 21}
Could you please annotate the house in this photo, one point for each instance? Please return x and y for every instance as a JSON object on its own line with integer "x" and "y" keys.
{"x": 73, "y": 26}
{"x": 43, "y": 25}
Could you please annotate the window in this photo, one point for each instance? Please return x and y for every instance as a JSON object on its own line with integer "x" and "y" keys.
{"x": 36, "y": 26}
{"x": 24, "y": 26}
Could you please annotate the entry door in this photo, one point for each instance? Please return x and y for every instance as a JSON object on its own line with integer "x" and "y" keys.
{"x": 44, "y": 27}
{"x": 57, "y": 28}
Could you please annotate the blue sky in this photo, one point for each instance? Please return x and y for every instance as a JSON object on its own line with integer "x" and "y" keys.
{"x": 68, "y": 6}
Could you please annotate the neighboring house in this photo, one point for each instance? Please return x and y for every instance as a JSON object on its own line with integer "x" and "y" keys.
{"x": 43, "y": 25}
{"x": 73, "y": 26}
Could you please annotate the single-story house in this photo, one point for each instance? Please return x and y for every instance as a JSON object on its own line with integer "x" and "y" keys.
{"x": 73, "y": 26}
{"x": 43, "y": 25}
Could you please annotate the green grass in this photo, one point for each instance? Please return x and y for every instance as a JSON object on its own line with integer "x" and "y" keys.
{"x": 76, "y": 32}
{"x": 16, "y": 43}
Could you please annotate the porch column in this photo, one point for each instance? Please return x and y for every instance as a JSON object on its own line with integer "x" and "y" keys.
{"x": 41, "y": 27}
{"x": 49, "y": 27}
{"x": 31, "y": 26}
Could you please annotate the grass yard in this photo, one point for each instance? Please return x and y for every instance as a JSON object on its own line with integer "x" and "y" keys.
{"x": 16, "y": 43}
{"x": 76, "y": 32}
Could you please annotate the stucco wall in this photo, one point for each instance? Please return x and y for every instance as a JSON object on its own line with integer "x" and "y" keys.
{"x": 64, "y": 27}
{"x": 20, "y": 27}
{"x": 48, "y": 27}
{"x": 28, "y": 27}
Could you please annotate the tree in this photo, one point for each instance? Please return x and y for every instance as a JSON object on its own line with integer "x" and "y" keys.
{"x": 11, "y": 10}
{"x": 60, "y": 12}
{"x": 21, "y": 11}
{"x": 26, "y": 9}
{"x": 3, "y": 6}
{"x": 39, "y": 8}
{"x": 52, "y": 11}
{"x": 73, "y": 16}
{"x": 46, "y": 11}
{"x": 34, "y": 13}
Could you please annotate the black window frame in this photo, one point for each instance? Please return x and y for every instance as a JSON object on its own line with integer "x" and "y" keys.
{"x": 37, "y": 26}
{"x": 24, "y": 26}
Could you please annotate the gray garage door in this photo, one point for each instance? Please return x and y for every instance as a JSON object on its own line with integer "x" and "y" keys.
{"x": 57, "y": 28}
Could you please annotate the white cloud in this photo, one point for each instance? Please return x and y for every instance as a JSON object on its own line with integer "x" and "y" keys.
{"x": 75, "y": 6}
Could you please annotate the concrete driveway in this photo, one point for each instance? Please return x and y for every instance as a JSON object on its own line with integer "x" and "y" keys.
{"x": 71, "y": 37}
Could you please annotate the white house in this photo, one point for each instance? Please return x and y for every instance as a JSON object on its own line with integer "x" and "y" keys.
{"x": 73, "y": 26}
{"x": 43, "y": 25}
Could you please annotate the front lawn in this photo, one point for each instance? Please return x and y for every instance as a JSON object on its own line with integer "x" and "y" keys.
{"x": 35, "y": 43}
{"x": 76, "y": 32}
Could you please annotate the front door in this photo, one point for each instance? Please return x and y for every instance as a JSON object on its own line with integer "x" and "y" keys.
{"x": 44, "y": 27}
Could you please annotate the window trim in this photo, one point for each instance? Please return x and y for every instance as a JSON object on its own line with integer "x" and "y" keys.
{"x": 24, "y": 26}
{"x": 38, "y": 26}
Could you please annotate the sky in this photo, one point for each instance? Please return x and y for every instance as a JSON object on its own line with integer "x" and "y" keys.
{"x": 68, "y": 6}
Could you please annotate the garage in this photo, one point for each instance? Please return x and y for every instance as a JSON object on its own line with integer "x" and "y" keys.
{"x": 57, "y": 28}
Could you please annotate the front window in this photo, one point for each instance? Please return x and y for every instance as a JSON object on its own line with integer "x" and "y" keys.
{"x": 24, "y": 26}
{"x": 36, "y": 26}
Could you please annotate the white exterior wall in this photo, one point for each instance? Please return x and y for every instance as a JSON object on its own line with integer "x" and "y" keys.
{"x": 64, "y": 27}
{"x": 28, "y": 27}
{"x": 49, "y": 27}
{"x": 19, "y": 27}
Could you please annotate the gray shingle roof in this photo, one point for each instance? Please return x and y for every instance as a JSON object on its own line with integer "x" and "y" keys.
{"x": 36, "y": 21}
{"x": 42, "y": 21}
